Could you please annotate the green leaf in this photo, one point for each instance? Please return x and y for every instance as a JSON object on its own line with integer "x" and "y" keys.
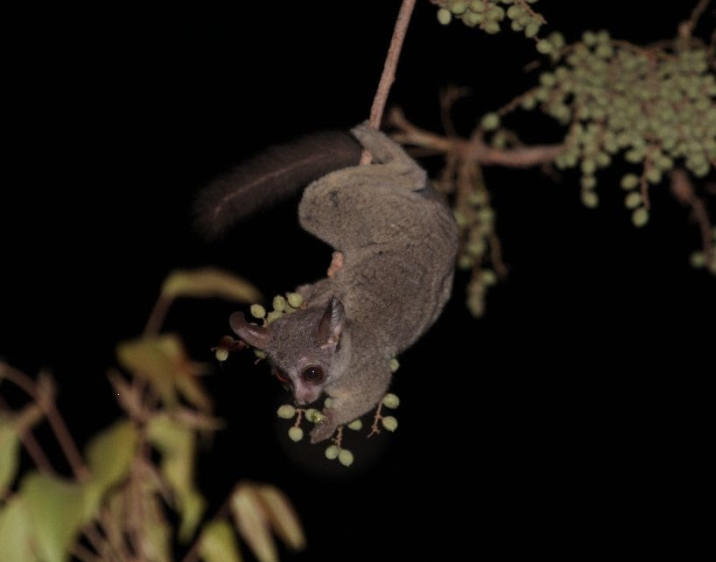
{"x": 209, "y": 282}
{"x": 218, "y": 543}
{"x": 110, "y": 453}
{"x": 15, "y": 532}
{"x": 57, "y": 512}
{"x": 250, "y": 517}
{"x": 191, "y": 506}
{"x": 177, "y": 445}
{"x": 164, "y": 363}
{"x": 9, "y": 456}
{"x": 282, "y": 516}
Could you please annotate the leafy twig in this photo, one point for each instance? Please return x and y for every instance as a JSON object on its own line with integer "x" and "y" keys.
{"x": 43, "y": 393}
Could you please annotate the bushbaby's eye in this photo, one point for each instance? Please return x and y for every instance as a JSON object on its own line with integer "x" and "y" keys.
{"x": 280, "y": 375}
{"x": 312, "y": 375}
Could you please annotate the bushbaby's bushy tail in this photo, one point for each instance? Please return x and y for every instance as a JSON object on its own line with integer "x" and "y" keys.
{"x": 269, "y": 177}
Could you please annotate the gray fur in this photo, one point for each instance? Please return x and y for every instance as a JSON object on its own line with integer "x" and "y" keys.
{"x": 398, "y": 241}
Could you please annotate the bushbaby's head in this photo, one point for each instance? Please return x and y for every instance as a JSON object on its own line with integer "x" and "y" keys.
{"x": 307, "y": 347}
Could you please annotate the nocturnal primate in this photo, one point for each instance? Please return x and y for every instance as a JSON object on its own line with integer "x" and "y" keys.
{"x": 397, "y": 239}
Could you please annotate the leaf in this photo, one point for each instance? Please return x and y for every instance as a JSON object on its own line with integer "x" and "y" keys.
{"x": 57, "y": 512}
{"x": 250, "y": 517}
{"x": 191, "y": 506}
{"x": 177, "y": 445}
{"x": 15, "y": 532}
{"x": 218, "y": 543}
{"x": 282, "y": 516}
{"x": 209, "y": 282}
{"x": 110, "y": 453}
{"x": 9, "y": 456}
{"x": 164, "y": 363}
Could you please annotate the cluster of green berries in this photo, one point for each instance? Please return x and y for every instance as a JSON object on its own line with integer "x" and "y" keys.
{"x": 650, "y": 107}
{"x": 488, "y": 15}
{"x": 475, "y": 218}
{"x": 280, "y": 305}
{"x": 335, "y": 450}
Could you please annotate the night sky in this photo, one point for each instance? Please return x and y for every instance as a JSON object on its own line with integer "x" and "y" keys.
{"x": 572, "y": 416}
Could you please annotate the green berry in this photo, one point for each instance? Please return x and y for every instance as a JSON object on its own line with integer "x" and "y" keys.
{"x": 328, "y": 402}
{"x": 458, "y": 7}
{"x": 390, "y": 400}
{"x": 544, "y": 47}
{"x": 491, "y": 28}
{"x": 355, "y": 425}
{"x": 444, "y": 16}
{"x": 632, "y": 200}
{"x": 314, "y": 416}
{"x": 221, "y": 354}
{"x": 257, "y": 311}
{"x": 295, "y": 300}
{"x": 259, "y": 354}
{"x": 331, "y": 452}
{"x": 490, "y": 121}
{"x": 590, "y": 199}
{"x": 286, "y": 411}
{"x": 629, "y": 181}
{"x": 393, "y": 365}
{"x": 488, "y": 277}
{"x": 465, "y": 262}
{"x": 273, "y": 316}
{"x": 697, "y": 260}
{"x": 389, "y": 423}
{"x": 295, "y": 434}
{"x": 345, "y": 457}
{"x": 640, "y": 217}
{"x": 532, "y": 29}
{"x": 279, "y": 303}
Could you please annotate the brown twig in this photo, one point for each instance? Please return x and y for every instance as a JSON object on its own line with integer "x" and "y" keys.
{"x": 33, "y": 448}
{"x": 448, "y": 97}
{"x": 683, "y": 190}
{"x": 156, "y": 317}
{"x": 338, "y": 439}
{"x": 391, "y": 63}
{"x": 686, "y": 28}
{"x": 374, "y": 429}
{"x": 475, "y": 149}
{"x": 43, "y": 393}
{"x": 496, "y": 254}
{"x": 36, "y": 453}
{"x": 388, "y": 76}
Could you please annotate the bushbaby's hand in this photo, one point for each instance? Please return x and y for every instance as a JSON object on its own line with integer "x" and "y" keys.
{"x": 324, "y": 430}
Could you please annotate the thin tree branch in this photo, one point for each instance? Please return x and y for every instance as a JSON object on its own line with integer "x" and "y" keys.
{"x": 686, "y": 28}
{"x": 391, "y": 63}
{"x": 156, "y": 317}
{"x": 683, "y": 190}
{"x": 59, "y": 427}
{"x": 32, "y": 447}
{"x": 43, "y": 393}
{"x": 475, "y": 149}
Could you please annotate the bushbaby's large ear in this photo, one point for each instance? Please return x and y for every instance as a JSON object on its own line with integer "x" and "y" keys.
{"x": 255, "y": 336}
{"x": 331, "y": 325}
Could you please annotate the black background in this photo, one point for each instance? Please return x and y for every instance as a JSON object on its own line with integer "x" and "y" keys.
{"x": 572, "y": 417}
